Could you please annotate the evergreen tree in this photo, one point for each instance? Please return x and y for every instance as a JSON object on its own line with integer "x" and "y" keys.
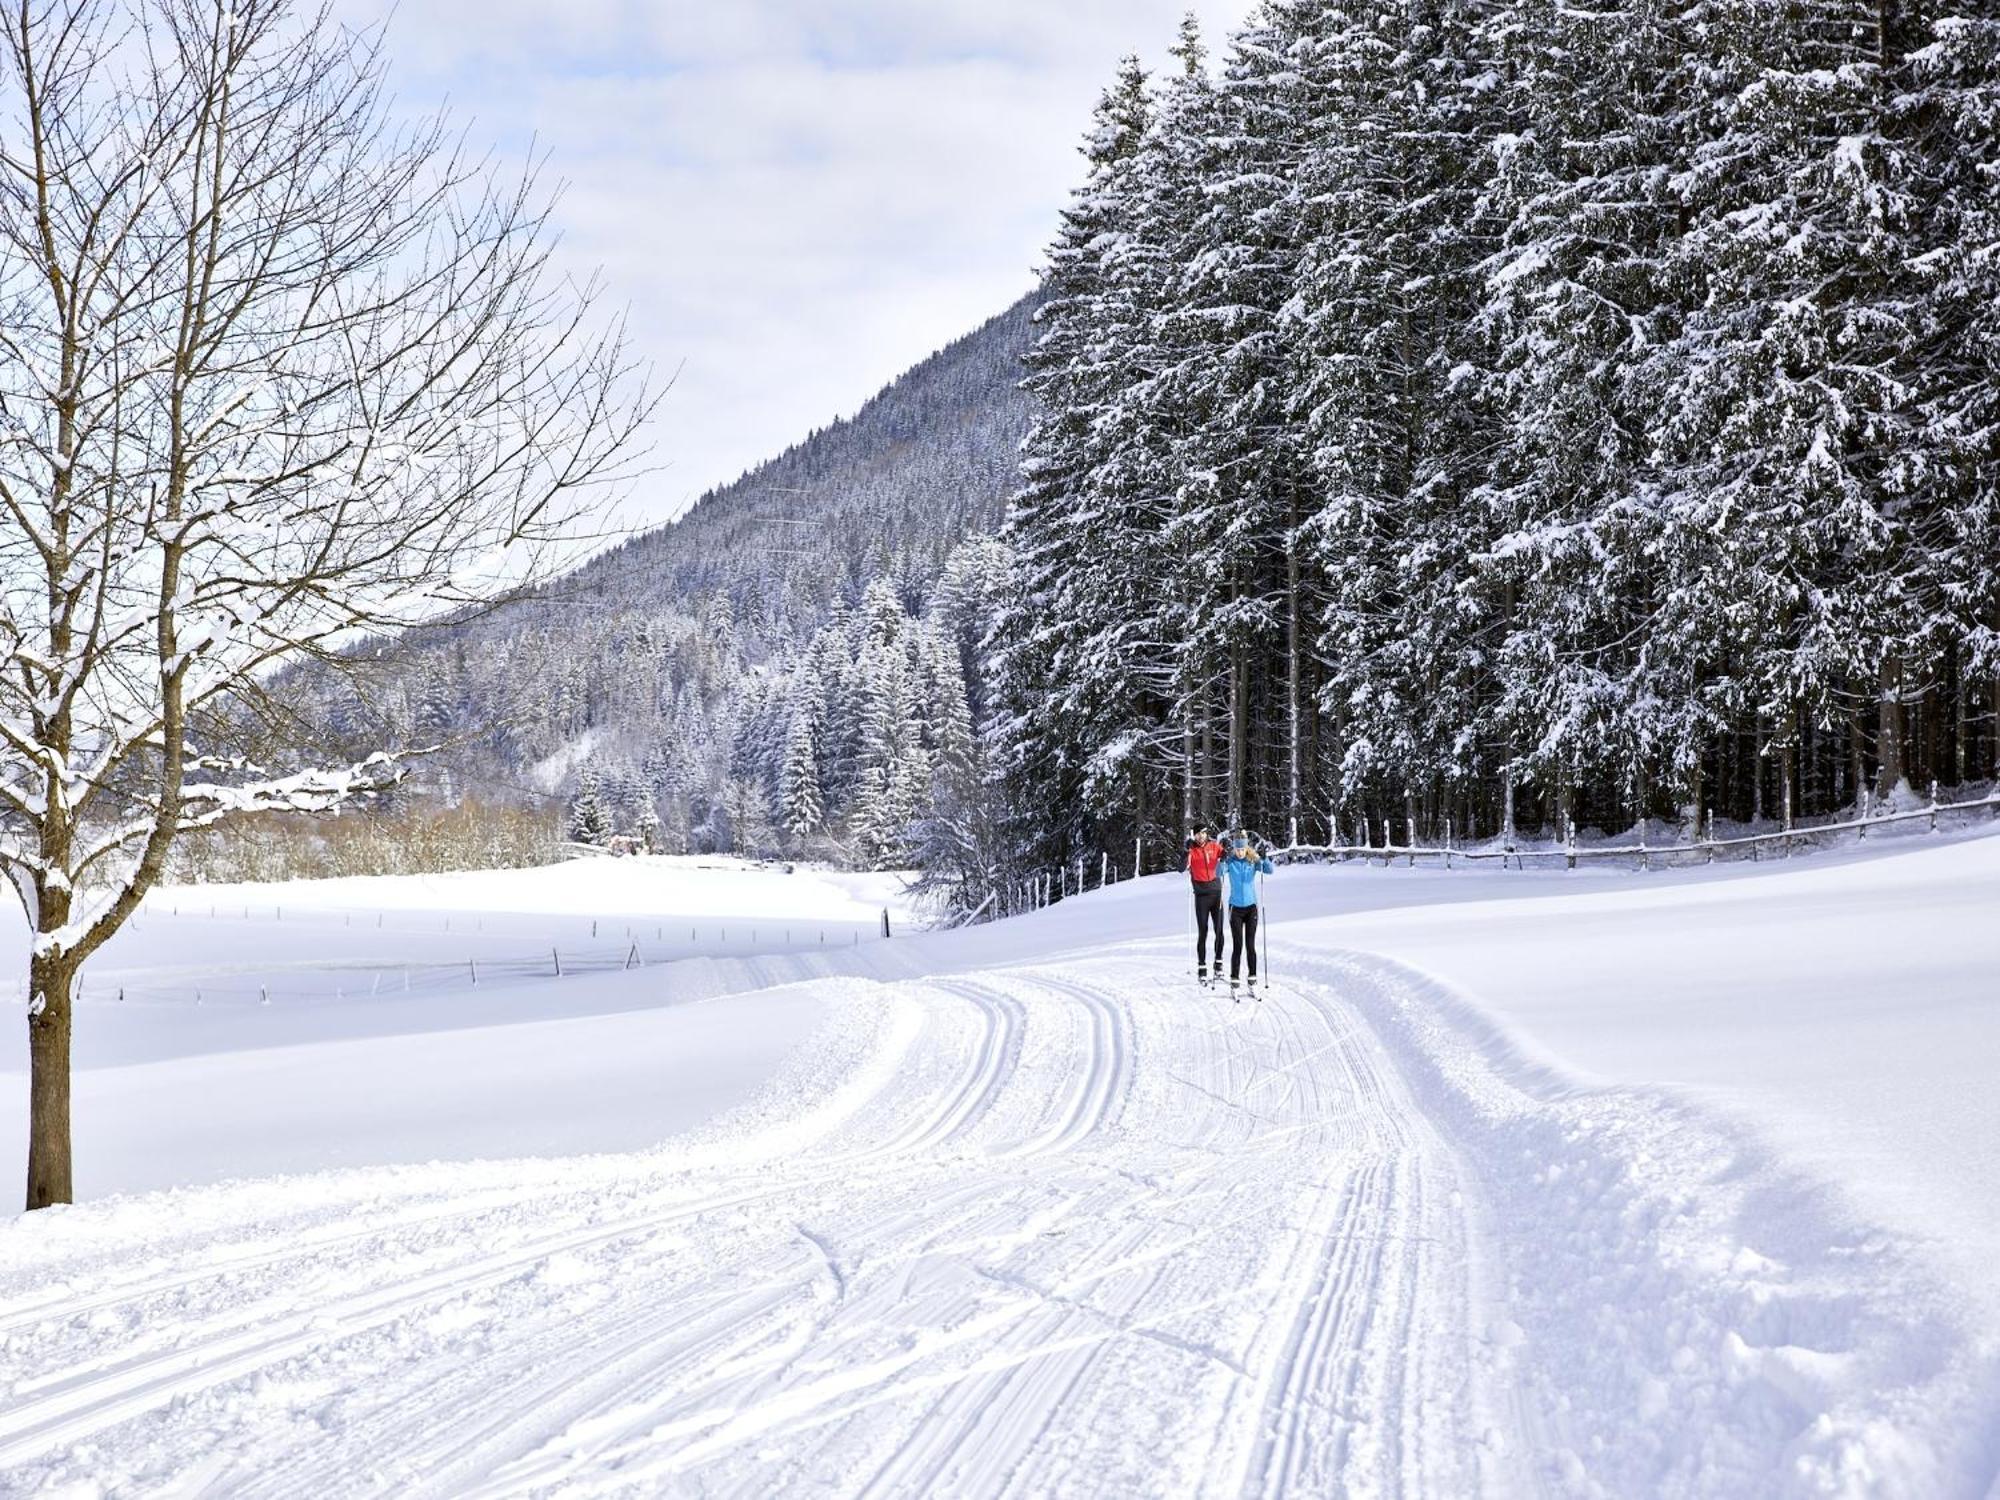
{"x": 1077, "y": 374}
{"x": 896, "y": 769}
{"x": 589, "y": 822}
{"x": 801, "y": 807}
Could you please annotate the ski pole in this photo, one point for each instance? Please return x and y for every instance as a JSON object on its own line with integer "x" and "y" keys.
{"x": 1263, "y": 928}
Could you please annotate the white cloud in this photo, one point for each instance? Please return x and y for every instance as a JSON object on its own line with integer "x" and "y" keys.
{"x": 797, "y": 199}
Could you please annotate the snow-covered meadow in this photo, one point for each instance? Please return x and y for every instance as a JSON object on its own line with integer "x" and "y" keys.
{"x": 1569, "y": 1183}
{"x": 234, "y": 1030}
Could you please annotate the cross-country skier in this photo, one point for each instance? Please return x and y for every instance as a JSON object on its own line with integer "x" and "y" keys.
{"x": 1242, "y": 868}
{"x": 1204, "y": 855}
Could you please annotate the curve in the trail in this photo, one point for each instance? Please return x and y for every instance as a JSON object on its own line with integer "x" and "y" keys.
{"x": 1094, "y": 1232}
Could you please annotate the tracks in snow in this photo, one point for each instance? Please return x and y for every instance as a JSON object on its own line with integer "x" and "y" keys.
{"x": 1095, "y": 1234}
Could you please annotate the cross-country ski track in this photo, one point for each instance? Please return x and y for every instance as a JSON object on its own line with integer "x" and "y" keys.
{"x": 1075, "y": 1230}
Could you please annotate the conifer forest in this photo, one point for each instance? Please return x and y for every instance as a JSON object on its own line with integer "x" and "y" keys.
{"x": 1518, "y": 415}
{"x": 1451, "y": 419}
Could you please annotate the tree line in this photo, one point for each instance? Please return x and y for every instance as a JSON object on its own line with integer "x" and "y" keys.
{"x": 1513, "y": 416}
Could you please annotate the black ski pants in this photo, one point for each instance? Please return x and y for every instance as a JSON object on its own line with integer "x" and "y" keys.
{"x": 1242, "y": 936}
{"x": 1207, "y": 918}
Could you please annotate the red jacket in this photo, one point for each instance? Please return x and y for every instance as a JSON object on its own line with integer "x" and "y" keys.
{"x": 1203, "y": 861}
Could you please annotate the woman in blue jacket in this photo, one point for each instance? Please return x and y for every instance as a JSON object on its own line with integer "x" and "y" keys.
{"x": 1241, "y": 869}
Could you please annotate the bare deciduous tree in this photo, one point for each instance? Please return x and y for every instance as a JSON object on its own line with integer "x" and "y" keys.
{"x": 274, "y": 369}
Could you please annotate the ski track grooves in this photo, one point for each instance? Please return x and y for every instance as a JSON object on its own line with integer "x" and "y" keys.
{"x": 1096, "y": 1233}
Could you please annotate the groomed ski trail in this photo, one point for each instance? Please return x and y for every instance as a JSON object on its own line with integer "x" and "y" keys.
{"x": 1073, "y": 1231}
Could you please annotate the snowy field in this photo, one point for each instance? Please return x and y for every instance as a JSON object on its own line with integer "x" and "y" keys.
{"x": 372, "y": 1021}
{"x": 1681, "y": 1184}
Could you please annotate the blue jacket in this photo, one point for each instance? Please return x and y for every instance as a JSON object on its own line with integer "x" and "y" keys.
{"x": 1243, "y": 875}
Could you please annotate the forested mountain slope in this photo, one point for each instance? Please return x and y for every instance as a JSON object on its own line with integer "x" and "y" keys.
{"x": 655, "y": 686}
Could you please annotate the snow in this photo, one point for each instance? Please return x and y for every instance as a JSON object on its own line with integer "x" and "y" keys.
{"x": 1562, "y": 1183}
{"x": 695, "y": 885}
{"x": 1845, "y": 1011}
{"x": 278, "y": 1028}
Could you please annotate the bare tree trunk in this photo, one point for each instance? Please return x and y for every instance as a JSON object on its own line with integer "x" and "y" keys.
{"x": 1889, "y": 727}
{"x": 1757, "y": 772}
{"x": 1187, "y": 775}
{"x": 1958, "y": 717}
{"x": 49, "y": 1175}
{"x": 1857, "y": 748}
{"x": 1933, "y": 737}
{"x": 1295, "y": 778}
{"x": 1239, "y": 726}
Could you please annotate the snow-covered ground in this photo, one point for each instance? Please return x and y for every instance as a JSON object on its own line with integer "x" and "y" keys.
{"x": 1561, "y": 1183}
{"x": 244, "y": 1030}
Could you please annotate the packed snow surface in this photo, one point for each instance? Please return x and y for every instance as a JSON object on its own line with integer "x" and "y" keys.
{"x": 1514, "y": 1184}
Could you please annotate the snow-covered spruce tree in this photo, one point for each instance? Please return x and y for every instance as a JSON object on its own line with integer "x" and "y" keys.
{"x": 275, "y": 371}
{"x": 801, "y": 808}
{"x": 1241, "y": 489}
{"x": 1951, "y": 105}
{"x": 1389, "y": 379}
{"x": 977, "y": 578}
{"x": 1114, "y": 675}
{"x": 947, "y": 713}
{"x": 1787, "y": 583}
{"x": 1075, "y": 378}
{"x": 896, "y": 768}
{"x": 1572, "y": 305}
{"x": 589, "y": 819}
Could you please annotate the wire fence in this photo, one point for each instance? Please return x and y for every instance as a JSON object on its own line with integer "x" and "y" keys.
{"x": 616, "y": 947}
{"x": 1705, "y": 848}
{"x": 1375, "y": 840}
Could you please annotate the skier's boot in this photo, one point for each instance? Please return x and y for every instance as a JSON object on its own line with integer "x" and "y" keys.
{"x": 1233, "y": 990}
{"x": 1201, "y": 976}
{"x": 1253, "y": 988}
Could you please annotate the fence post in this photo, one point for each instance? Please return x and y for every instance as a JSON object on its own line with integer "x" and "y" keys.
{"x": 1711, "y": 836}
{"x": 1410, "y": 825}
{"x": 1104, "y": 868}
{"x": 556, "y": 954}
{"x": 885, "y": 921}
{"x": 632, "y": 958}
{"x": 1569, "y": 841}
{"x": 1787, "y": 846}
{"x": 1862, "y": 831}
{"x": 1138, "y": 856}
{"x": 1933, "y": 804}
{"x": 470, "y": 963}
{"x": 1645, "y": 857}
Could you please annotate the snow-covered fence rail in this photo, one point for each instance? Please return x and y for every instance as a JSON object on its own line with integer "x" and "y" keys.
{"x": 1707, "y": 848}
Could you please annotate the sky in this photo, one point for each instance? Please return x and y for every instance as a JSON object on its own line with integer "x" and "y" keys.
{"x": 792, "y": 200}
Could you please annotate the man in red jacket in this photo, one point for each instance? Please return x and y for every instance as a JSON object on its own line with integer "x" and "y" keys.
{"x": 1204, "y": 862}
